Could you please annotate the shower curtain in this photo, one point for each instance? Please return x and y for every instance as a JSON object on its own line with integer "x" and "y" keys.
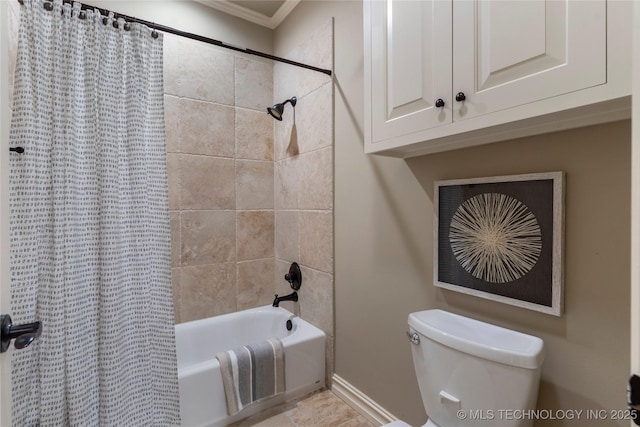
{"x": 90, "y": 245}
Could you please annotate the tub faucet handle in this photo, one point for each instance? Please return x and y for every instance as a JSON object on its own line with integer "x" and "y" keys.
{"x": 294, "y": 276}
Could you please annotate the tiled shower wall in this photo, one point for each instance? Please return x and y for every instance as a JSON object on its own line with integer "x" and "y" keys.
{"x": 234, "y": 234}
{"x": 304, "y": 180}
{"x": 220, "y": 167}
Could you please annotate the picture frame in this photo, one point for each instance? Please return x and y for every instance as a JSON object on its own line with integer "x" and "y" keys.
{"x": 501, "y": 238}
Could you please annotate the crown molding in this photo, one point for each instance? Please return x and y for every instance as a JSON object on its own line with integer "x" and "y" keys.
{"x": 251, "y": 15}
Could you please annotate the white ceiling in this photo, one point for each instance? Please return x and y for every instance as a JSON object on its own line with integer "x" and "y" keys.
{"x": 268, "y": 13}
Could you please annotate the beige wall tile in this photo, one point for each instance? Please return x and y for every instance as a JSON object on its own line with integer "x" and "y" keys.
{"x": 303, "y": 149}
{"x": 226, "y": 163}
{"x": 316, "y": 240}
{"x": 285, "y": 83}
{"x": 255, "y": 283}
{"x": 198, "y": 71}
{"x": 175, "y": 284}
{"x": 253, "y": 83}
{"x": 316, "y": 299}
{"x": 172, "y": 123}
{"x": 254, "y": 184}
{"x": 174, "y": 223}
{"x": 285, "y": 134}
{"x": 255, "y": 234}
{"x": 314, "y": 117}
{"x": 207, "y": 182}
{"x": 316, "y": 180}
{"x": 205, "y": 128}
{"x": 287, "y": 238}
{"x": 294, "y": 81}
{"x": 286, "y": 183}
{"x": 200, "y": 87}
{"x": 254, "y": 135}
{"x": 205, "y": 290}
{"x": 173, "y": 180}
{"x": 318, "y": 48}
{"x": 208, "y": 237}
{"x": 280, "y": 284}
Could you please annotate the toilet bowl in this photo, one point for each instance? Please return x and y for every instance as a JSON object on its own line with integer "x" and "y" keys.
{"x": 470, "y": 372}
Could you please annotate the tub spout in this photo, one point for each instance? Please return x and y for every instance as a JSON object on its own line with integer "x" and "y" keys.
{"x": 293, "y": 296}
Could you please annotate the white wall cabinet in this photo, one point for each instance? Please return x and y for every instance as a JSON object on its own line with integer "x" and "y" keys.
{"x": 410, "y": 67}
{"x": 446, "y": 74}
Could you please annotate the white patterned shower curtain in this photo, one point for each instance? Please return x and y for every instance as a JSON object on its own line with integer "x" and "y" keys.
{"x": 90, "y": 245}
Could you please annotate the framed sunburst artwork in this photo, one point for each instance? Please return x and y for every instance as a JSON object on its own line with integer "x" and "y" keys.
{"x": 501, "y": 238}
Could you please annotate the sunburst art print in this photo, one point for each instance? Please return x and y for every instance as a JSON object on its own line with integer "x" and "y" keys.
{"x": 495, "y": 237}
{"x": 501, "y": 238}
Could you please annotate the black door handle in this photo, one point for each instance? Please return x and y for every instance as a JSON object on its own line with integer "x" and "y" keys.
{"x": 23, "y": 334}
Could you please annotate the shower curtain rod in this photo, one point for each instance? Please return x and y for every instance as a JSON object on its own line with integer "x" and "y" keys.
{"x": 197, "y": 37}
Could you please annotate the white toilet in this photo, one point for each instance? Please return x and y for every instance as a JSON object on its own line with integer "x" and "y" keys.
{"x": 472, "y": 373}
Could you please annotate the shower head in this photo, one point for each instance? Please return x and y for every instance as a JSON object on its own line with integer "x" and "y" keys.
{"x": 277, "y": 110}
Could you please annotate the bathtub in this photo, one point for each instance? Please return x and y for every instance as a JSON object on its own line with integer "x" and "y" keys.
{"x": 202, "y": 399}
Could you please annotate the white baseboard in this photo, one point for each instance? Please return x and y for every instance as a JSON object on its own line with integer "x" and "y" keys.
{"x": 361, "y": 402}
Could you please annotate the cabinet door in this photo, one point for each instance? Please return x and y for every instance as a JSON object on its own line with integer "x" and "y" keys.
{"x": 408, "y": 66}
{"x": 513, "y": 52}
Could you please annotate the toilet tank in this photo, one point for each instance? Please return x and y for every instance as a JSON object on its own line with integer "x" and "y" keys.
{"x": 473, "y": 373}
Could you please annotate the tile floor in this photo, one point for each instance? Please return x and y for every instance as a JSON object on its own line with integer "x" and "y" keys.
{"x": 322, "y": 409}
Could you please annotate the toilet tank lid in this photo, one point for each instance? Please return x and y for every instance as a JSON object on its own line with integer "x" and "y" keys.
{"x": 479, "y": 339}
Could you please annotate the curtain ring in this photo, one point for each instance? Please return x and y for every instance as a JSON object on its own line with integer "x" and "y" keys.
{"x": 105, "y": 20}
{"x": 48, "y": 6}
{"x": 154, "y": 33}
{"x": 115, "y": 24}
{"x": 82, "y": 15}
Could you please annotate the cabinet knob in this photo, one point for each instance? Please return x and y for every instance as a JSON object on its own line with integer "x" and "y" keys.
{"x": 460, "y": 96}
{"x": 439, "y": 103}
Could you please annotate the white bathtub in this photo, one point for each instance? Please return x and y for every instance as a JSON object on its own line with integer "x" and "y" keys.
{"x": 202, "y": 399}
